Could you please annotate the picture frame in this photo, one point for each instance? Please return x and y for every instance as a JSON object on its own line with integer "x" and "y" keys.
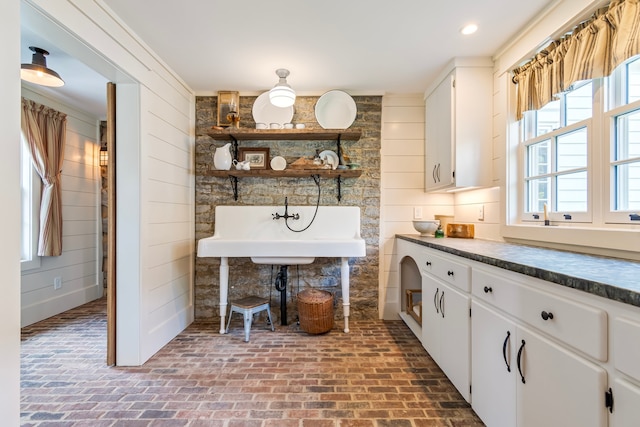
{"x": 227, "y": 101}
{"x": 258, "y": 156}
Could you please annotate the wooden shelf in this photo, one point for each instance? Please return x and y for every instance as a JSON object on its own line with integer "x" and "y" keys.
{"x": 285, "y": 134}
{"x": 287, "y": 173}
{"x": 240, "y": 134}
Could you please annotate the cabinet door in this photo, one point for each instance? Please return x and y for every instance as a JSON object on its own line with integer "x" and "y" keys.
{"x": 560, "y": 389}
{"x": 439, "y": 125}
{"x": 626, "y": 404}
{"x": 455, "y": 358}
{"x": 494, "y": 372}
{"x": 431, "y": 319}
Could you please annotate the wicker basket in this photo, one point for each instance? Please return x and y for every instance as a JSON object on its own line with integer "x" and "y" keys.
{"x": 315, "y": 310}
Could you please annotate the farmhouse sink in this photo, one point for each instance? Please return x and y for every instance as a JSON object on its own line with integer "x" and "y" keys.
{"x": 256, "y": 232}
{"x": 251, "y": 231}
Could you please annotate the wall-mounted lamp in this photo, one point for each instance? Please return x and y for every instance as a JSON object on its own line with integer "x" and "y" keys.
{"x": 37, "y": 72}
{"x": 104, "y": 156}
{"x": 281, "y": 95}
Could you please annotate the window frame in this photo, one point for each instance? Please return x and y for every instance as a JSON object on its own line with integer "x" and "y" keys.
{"x": 610, "y": 215}
{"x": 526, "y": 126}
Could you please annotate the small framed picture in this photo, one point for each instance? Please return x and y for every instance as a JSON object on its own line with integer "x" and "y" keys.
{"x": 258, "y": 157}
{"x": 228, "y": 105}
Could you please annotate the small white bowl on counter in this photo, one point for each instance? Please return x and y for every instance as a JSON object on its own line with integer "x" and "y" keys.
{"x": 426, "y": 227}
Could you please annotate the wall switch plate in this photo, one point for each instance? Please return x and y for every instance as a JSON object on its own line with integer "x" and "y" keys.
{"x": 481, "y": 213}
{"x": 417, "y": 212}
{"x": 57, "y": 282}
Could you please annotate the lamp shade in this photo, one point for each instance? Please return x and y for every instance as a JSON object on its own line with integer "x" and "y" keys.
{"x": 281, "y": 95}
{"x": 37, "y": 72}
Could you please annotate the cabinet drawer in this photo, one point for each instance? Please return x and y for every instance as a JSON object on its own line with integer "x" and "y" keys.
{"x": 626, "y": 346}
{"x": 578, "y": 325}
{"x": 451, "y": 272}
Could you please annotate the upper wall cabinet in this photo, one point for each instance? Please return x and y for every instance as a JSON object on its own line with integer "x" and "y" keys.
{"x": 458, "y": 122}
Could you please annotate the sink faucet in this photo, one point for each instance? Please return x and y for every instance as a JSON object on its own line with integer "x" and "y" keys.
{"x": 286, "y": 215}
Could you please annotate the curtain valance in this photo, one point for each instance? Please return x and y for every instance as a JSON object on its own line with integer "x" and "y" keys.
{"x": 593, "y": 49}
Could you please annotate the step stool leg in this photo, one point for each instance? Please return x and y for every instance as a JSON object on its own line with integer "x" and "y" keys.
{"x": 229, "y": 321}
{"x": 270, "y": 321}
{"x": 248, "y": 317}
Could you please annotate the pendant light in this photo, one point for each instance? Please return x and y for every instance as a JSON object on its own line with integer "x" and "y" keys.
{"x": 37, "y": 72}
{"x": 281, "y": 95}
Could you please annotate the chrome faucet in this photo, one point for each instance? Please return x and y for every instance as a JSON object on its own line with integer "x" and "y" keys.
{"x": 286, "y": 215}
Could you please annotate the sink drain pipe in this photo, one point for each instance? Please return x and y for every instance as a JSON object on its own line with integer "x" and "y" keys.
{"x": 281, "y": 285}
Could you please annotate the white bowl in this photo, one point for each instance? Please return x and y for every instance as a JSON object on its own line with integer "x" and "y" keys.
{"x": 426, "y": 227}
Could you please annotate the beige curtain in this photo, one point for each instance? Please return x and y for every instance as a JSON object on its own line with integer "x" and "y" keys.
{"x": 593, "y": 49}
{"x": 45, "y": 130}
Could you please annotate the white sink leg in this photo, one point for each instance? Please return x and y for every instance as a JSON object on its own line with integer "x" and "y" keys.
{"x": 224, "y": 291}
{"x": 344, "y": 270}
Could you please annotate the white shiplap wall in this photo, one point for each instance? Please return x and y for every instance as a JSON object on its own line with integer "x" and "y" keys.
{"x": 78, "y": 266}
{"x": 402, "y": 181}
{"x": 10, "y": 214}
{"x": 155, "y": 177}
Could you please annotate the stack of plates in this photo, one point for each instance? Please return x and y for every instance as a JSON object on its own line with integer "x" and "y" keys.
{"x": 336, "y": 110}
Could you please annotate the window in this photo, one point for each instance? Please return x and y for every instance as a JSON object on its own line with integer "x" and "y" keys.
{"x": 555, "y": 140}
{"x": 589, "y": 135}
{"x": 30, "y": 203}
{"x": 623, "y": 144}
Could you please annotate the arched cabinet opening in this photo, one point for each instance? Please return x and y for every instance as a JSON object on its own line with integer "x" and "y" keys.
{"x": 411, "y": 294}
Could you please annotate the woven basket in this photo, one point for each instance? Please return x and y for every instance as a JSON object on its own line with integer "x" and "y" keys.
{"x": 315, "y": 310}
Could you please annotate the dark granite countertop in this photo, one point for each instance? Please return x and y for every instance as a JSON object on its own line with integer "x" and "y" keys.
{"x": 612, "y": 278}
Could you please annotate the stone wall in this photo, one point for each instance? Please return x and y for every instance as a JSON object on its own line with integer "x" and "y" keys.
{"x": 246, "y": 278}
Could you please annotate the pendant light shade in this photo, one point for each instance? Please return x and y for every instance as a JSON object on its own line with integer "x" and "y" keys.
{"x": 37, "y": 72}
{"x": 281, "y": 95}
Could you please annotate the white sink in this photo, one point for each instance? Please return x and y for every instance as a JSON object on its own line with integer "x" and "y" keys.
{"x": 251, "y": 231}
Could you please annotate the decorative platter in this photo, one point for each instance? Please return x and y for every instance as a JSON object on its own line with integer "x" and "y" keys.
{"x": 335, "y": 110}
{"x": 265, "y": 112}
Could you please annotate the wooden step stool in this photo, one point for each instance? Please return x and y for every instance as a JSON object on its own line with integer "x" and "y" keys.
{"x": 249, "y": 306}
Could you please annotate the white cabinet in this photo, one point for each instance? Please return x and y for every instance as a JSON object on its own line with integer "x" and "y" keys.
{"x": 556, "y": 388}
{"x": 626, "y": 404}
{"x": 577, "y": 353}
{"x": 445, "y": 320}
{"x": 458, "y": 109}
{"x": 626, "y": 360}
{"x": 493, "y": 366}
{"x": 522, "y": 379}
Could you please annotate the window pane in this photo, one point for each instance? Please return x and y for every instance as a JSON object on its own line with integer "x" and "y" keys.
{"x": 633, "y": 81}
{"x": 548, "y": 118}
{"x": 538, "y": 157}
{"x": 627, "y": 178}
{"x": 572, "y": 192}
{"x": 572, "y": 150}
{"x": 578, "y": 104}
{"x": 628, "y": 136}
{"x": 538, "y": 194}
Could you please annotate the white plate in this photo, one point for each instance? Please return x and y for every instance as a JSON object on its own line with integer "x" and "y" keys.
{"x": 278, "y": 163}
{"x": 336, "y": 110}
{"x": 265, "y": 112}
{"x": 331, "y": 158}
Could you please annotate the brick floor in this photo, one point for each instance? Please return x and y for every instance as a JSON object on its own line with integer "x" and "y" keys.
{"x": 378, "y": 375}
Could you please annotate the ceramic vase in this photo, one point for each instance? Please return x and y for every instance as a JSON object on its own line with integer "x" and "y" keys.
{"x": 222, "y": 157}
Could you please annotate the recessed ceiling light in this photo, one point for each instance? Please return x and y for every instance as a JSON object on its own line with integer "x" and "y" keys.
{"x": 469, "y": 29}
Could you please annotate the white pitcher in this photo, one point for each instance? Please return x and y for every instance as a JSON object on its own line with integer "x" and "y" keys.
{"x": 222, "y": 157}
